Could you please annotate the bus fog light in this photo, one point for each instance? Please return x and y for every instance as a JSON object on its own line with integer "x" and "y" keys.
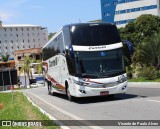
{"x": 82, "y": 91}
{"x": 124, "y": 87}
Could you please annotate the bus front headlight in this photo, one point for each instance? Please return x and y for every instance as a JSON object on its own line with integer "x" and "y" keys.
{"x": 81, "y": 83}
{"x": 122, "y": 79}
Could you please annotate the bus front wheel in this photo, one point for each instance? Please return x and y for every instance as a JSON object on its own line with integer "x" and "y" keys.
{"x": 70, "y": 97}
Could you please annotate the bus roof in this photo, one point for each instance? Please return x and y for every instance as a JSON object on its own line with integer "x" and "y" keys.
{"x": 78, "y": 24}
{"x": 89, "y": 23}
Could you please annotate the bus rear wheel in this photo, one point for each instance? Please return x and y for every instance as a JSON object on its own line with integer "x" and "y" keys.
{"x": 50, "y": 88}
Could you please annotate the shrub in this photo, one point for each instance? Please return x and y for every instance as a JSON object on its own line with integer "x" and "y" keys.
{"x": 129, "y": 71}
{"x": 149, "y": 73}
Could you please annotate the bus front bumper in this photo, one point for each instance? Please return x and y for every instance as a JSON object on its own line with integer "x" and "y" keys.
{"x": 84, "y": 91}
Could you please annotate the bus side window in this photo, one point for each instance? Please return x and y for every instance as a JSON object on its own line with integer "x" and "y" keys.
{"x": 66, "y": 35}
{"x": 60, "y": 43}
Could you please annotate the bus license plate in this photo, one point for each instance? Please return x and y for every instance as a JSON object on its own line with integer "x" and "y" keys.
{"x": 104, "y": 93}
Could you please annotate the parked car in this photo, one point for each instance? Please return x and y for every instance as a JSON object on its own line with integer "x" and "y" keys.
{"x": 37, "y": 85}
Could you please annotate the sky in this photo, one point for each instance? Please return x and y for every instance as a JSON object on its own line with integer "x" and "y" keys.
{"x": 52, "y": 14}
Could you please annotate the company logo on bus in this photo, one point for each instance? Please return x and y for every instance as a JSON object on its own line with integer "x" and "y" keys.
{"x": 97, "y": 47}
{"x": 53, "y": 62}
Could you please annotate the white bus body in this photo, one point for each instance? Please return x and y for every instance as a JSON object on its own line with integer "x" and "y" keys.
{"x": 85, "y": 59}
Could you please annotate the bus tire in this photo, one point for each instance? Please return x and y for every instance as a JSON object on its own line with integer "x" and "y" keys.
{"x": 70, "y": 97}
{"x": 49, "y": 87}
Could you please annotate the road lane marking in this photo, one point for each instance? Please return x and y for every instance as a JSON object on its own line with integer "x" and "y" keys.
{"x": 65, "y": 112}
{"x": 153, "y": 100}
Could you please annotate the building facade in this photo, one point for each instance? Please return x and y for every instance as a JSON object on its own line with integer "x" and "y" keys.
{"x": 121, "y": 12}
{"x": 19, "y": 55}
{"x": 21, "y": 37}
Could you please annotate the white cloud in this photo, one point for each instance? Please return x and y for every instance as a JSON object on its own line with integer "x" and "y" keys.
{"x": 5, "y": 16}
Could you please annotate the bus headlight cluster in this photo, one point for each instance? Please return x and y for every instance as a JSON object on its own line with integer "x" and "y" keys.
{"x": 81, "y": 83}
{"x": 122, "y": 79}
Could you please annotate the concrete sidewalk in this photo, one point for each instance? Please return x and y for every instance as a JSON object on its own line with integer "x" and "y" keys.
{"x": 144, "y": 84}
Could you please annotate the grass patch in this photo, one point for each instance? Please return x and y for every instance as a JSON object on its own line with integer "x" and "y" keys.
{"x": 21, "y": 109}
{"x": 143, "y": 80}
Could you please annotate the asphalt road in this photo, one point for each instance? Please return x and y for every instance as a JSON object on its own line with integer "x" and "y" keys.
{"x": 142, "y": 102}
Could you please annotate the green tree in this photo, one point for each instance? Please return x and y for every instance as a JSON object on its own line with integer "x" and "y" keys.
{"x": 5, "y": 58}
{"x": 148, "y": 52}
{"x": 129, "y": 32}
{"x": 143, "y": 27}
{"x": 147, "y": 25}
{"x": 26, "y": 69}
{"x": 51, "y": 35}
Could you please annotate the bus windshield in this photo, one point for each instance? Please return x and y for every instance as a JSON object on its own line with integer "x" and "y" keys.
{"x": 99, "y": 64}
{"x": 93, "y": 35}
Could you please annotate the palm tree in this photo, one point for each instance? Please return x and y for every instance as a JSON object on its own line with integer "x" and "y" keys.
{"x": 39, "y": 67}
{"x": 26, "y": 69}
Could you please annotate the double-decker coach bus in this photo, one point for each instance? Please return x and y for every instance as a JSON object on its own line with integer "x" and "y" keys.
{"x": 85, "y": 59}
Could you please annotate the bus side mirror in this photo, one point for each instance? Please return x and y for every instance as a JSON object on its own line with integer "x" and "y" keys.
{"x": 127, "y": 44}
{"x": 69, "y": 51}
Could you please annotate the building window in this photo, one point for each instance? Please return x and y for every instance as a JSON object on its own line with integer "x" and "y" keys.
{"x": 128, "y": 11}
{"x": 33, "y": 40}
{"x": 11, "y": 41}
{"x": 6, "y": 47}
{"x": 28, "y": 34}
{"x": 19, "y": 57}
{"x": 115, "y": 2}
{"x": 5, "y": 41}
{"x": 107, "y": 4}
{"x": 133, "y": 10}
{"x": 16, "y": 29}
{"x": 17, "y": 35}
{"x": 27, "y": 29}
{"x": 22, "y": 29}
{"x": 107, "y": 14}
